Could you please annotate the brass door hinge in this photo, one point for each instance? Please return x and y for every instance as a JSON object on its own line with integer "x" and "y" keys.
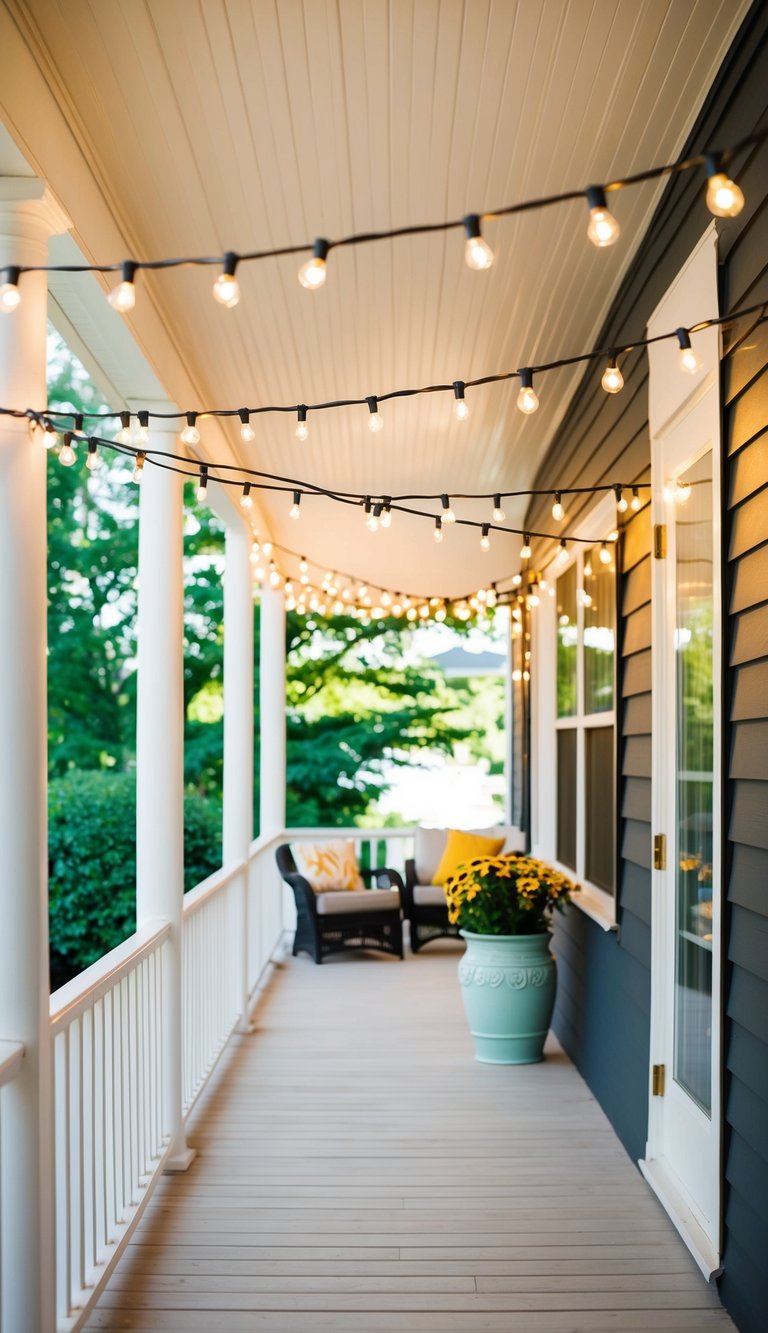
{"x": 660, "y": 541}
{"x": 657, "y": 1080}
{"x": 660, "y": 851}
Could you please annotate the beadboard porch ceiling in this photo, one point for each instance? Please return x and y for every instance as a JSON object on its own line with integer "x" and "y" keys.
{"x": 174, "y": 127}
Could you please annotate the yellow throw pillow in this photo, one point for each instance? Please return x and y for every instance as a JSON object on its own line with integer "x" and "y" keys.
{"x": 463, "y": 847}
{"x": 328, "y": 865}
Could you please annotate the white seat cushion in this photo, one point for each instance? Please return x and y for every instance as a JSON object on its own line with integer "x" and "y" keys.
{"x": 358, "y": 900}
{"x": 429, "y": 895}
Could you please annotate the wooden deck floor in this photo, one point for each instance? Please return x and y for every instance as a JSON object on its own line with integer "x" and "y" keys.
{"x": 358, "y": 1170}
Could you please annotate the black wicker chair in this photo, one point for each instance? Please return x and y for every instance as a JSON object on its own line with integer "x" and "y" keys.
{"x": 320, "y": 932}
{"x": 428, "y": 920}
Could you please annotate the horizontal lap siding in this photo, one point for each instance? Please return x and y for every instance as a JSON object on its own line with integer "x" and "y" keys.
{"x": 602, "y": 1012}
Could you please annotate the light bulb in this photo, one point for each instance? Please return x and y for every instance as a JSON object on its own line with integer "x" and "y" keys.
{"x": 438, "y": 533}
{"x": 386, "y": 518}
{"x": 635, "y": 503}
{"x": 247, "y": 433}
{"x": 375, "y": 419}
{"x": 562, "y": 554}
{"x": 622, "y": 504}
{"x": 202, "y": 488}
{"x": 485, "y": 541}
{"x": 687, "y": 358}
{"x": 682, "y": 492}
{"x": 447, "y": 515}
{"x": 603, "y": 229}
{"x": 266, "y": 548}
{"x": 460, "y": 406}
{"x": 525, "y": 549}
{"x": 295, "y": 509}
{"x": 724, "y": 198}
{"x": 303, "y": 566}
{"x": 226, "y": 288}
{"x": 516, "y": 580}
{"x": 527, "y": 398}
{"x": 478, "y": 254}
{"x": 498, "y": 513}
{"x": 138, "y": 469}
{"x": 67, "y": 455}
{"x": 50, "y": 438}
{"x": 246, "y": 499}
{"x": 411, "y": 613}
{"x": 10, "y": 296}
{"x": 302, "y": 429}
{"x": 274, "y": 577}
{"x": 372, "y": 523}
{"x": 93, "y": 462}
{"x": 313, "y": 274}
{"x": 141, "y": 433}
{"x": 558, "y": 513}
{"x": 605, "y": 555}
{"x": 490, "y": 599}
{"x": 440, "y": 613}
{"x": 190, "y": 433}
{"x": 613, "y": 380}
{"x": 123, "y": 297}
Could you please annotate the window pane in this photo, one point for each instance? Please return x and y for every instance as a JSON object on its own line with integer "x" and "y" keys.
{"x": 566, "y": 643}
{"x": 599, "y": 630}
{"x": 566, "y": 797}
{"x": 599, "y": 806}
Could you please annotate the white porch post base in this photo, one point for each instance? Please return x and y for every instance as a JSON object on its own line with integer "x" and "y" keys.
{"x": 160, "y": 767}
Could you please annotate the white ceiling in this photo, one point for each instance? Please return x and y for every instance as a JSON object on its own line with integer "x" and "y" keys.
{"x": 194, "y": 126}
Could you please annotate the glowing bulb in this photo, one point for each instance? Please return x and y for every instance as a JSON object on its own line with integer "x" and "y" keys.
{"x": 10, "y": 296}
{"x": 527, "y": 398}
{"x": 605, "y": 555}
{"x": 190, "y": 433}
{"x": 302, "y": 429}
{"x": 386, "y": 518}
{"x": 246, "y": 499}
{"x": 447, "y": 515}
{"x": 313, "y": 274}
{"x": 123, "y": 297}
{"x": 141, "y": 433}
{"x": 440, "y": 613}
{"x": 50, "y": 437}
{"x": 303, "y": 566}
{"x": 295, "y": 509}
{"x": 92, "y": 462}
{"x": 138, "y": 470}
{"x": 247, "y": 433}
{"x": 613, "y": 380}
{"x": 635, "y": 503}
{"x": 460, "y": 406}
{"x": 266, "y": 549}
{"x": 386, "y": 599}
{"x": 516, "y": 580}
{"x": 558, "y": 513}
{"x": 438, "y": 533}
{"x": 485, "y": 541}
{"x": 411, "y": 613}
{"x": 274, "y": 577}
{"x": 724, "y": 198}
{"x": 498, "y": 513}
{"x": 687, "y": 358}
{"x": 525, "y": 549}
{"x": 562, "y": 554}
{"x": 226, "y": 288}
{"x": 478, "y": 254}
{"x": 375, "y": 419}
{"x": 202, "y": 488}
{"x": 682, "y": 492}
{"x": 67, "y": 455}
{"x": 603, "y": 229}
{"x": 622, "y": 504}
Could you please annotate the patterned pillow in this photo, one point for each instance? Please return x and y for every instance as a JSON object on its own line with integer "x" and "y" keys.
{"x": 328, "y": 865}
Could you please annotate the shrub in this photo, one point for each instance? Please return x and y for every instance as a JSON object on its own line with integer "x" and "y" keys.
{"x": 92, "y": 862}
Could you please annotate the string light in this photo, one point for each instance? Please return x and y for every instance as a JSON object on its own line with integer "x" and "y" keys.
{"x": 303, "y": 566}
{"x": 498, "y": 513}
{"x": 438, "y": 533}
{"x": 635, "y": 503}
{"x": 247, "y": 433}
{"x": 274, "y": 575}
{"x": 448, "y": 515}
{"x": 613, "y": 380}
{"x": 302, "y": 429}
{"x": 10, "y": 296}
{"x": 375, "y": 420}
{"x": 138, "y": 470}
{"x": 372, "y": 518}
{"x": 527, "y": 398}
{"x": 485, "y": 541}
{"x": 724, "y": 198}
{"x": 93, "y": 462}
{"x": 226, "y": 288}
{"x": 516, "y": 580}
{"x": 246, "y": 499}
{"x": 67, "y": 455}
{"x": 190, "y": 433}
{"x": 122, "y": 298}
{"x": 313, "y": 274}
{"x": 50, "y": 436}
{"x": 477, "y": 252}
{"x": 621, "y": 501}
{"x": 558, "y": 512}
{"x": 295, "y": 509}
{"x": 562, "y": 553}
{"x": 603, "y": 229}
{"x": 460, "y": 406}
{"x": 605, "y": 555}
{"x": 386, "y": 518}
{"x": 124, "y": 435}
{"x": 525, "y": 549}
{"x": 202, "y": 487}
{"x": 686, "y": 356}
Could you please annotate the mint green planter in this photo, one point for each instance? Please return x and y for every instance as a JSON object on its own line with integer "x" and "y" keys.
{"x": 508, "y": 986}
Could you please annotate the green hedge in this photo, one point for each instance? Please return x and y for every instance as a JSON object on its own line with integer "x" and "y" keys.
{"x": 92, "y": 858}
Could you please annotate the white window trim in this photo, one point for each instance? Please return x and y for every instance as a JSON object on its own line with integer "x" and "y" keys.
{"x": 594, "y": 902}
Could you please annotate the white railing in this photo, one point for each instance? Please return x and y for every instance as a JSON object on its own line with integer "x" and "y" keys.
{"x": 106, "y": 1028}
{"x": 210, "y": 994}
{"x": 11, "y": 1056}
{"x": 375, "y": 848}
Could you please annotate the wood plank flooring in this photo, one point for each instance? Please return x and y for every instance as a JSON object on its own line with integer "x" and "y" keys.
{"x": 358, "y": 1170}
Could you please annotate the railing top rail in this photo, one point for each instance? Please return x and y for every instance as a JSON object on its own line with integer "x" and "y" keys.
{"x": 208, "y": 888}
{"x": 363, "y": 833}
{"x": 11, "y": 1056}
{"x": 84, "y": 990}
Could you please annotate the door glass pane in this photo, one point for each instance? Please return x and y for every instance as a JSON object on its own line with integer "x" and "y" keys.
{"x": 566, "y": 797}
{"x": 599, "y": 802}
{"x": 599, "y": 629}
{"x": 694, "y": 783}
{"x": 567, "y": 633}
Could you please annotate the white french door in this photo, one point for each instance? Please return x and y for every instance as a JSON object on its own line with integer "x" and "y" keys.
{"x": 683, "y": 1158}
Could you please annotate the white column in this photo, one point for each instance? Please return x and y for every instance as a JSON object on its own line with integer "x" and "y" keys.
{"x": 27, "y": 219}
{"x": 272, "y": 709}
{"x": 160, "y": 763}
{"x": 238, "y": 735}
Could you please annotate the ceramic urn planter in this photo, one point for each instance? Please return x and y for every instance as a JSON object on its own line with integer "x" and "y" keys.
{"x": 508, "y": 987}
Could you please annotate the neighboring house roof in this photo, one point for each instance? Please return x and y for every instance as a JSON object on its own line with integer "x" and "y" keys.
{"x": 458, "y": 662}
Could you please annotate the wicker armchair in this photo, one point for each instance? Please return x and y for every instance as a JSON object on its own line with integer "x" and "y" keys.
{"x": 424, "y": 903}
{"x": 348, "y": 919}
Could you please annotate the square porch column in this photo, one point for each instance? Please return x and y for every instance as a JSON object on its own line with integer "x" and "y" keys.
{"x": 272, "y": 709}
